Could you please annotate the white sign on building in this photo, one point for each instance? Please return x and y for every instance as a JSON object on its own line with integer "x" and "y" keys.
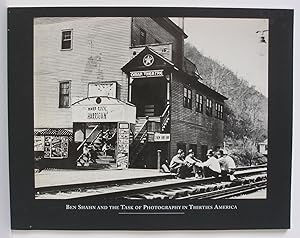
{"x": 160, "y": 137}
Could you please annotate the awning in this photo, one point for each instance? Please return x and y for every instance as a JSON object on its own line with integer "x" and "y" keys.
{"x": 53, "y": 132}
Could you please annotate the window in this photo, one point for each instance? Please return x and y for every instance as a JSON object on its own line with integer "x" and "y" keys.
{"x": 208, "y": 107}
{"x": 64, "y": 94}
{"x": 219, "y": 111}
{"x": 142, "y": 37}
{"x": 187, "y": 98}
{"x": 66, "y": 40}
{"x": 199, "y": 103}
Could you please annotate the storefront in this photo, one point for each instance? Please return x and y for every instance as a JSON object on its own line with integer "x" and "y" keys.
{"x": 102, "y": 125}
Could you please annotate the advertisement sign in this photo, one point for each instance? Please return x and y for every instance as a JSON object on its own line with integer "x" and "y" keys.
{"x": 105, "y": 110}
{"x": 56, "y": 147}
{"x": 122, "y": 158}
{"x": 97, "y": 89}
{"x": 38, "y": 143}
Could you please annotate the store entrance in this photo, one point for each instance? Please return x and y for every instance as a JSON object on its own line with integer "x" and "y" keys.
{"x": 100, "y": 139}
{"x": 150, "y": 96}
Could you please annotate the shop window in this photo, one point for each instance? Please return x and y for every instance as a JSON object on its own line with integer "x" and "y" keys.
{"x": 187, "y": 98}
{"x": 208, "y": 107}
{"x": 64, "y": 94}
{"x": 66, "y": 40}
{"x": 219, "y": 111}
{"x": 142, "y": 37}
{"x": 199, "y": 103}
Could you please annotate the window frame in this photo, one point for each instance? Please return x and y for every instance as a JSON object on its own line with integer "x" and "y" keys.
{"x": 219, "y": 111}
{"x": 187, "y": 102}
{"x": 62, "y": 39}
{"x": 209, "y": 106}
{"x": 199, "y": 102}
{"x": 60, "y": 94}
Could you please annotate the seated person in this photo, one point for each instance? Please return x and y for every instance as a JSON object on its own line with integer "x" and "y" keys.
{"x": 192, "y": 162}
{"x": 211, "y": 167}
{"x": 227, "y": 165}
{"x": 177, "y": 162}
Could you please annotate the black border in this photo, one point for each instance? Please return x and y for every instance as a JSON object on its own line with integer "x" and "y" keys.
{"x": 27, "y": 213}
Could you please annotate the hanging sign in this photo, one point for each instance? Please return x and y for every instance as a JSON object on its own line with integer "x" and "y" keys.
{"x": 160, "y": 137}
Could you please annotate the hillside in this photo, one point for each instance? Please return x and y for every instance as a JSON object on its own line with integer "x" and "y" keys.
{"x": 246, "y": 109}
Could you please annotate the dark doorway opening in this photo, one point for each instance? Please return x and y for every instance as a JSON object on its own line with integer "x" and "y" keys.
{"x": 150, "y": 96}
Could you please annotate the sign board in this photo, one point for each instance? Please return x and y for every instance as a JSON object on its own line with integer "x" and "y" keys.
{"x": 108, "y": 110}
{"x": 122, "y": 155}
{"x": 99, "y": 89}
{"x": 38, "y": 143}
{"x": 56, "y": 147}
{"x": 160, "y": 137}
{"x": 147, "y": 73}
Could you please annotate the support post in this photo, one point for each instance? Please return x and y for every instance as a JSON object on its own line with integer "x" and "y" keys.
{"x": 158, "y": 160}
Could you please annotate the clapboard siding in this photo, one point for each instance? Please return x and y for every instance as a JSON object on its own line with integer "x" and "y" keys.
{"x": 100, "y": 61}
{"x": 154, "y": 32}
{"x": 189, "y": 126}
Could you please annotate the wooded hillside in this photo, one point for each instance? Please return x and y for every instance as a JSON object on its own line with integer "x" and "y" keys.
{"x": 246, "y": 109}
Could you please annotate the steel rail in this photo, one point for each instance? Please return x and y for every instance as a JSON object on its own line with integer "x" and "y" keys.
{"x": 226, "y": 192}
{"x": 133, "y": 190}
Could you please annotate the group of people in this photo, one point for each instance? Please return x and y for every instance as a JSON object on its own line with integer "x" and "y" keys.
{"x": 218, "y": 164}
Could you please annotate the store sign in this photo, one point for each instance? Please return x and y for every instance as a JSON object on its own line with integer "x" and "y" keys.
{"x": 38, "y": 143}
{"x": 122, "y": 158}
{"x": 108, "y": 89}
{"x": 147, "y": 73}
{"x": 160, "y": 137}
{"x": 56, "y": 147}
{"x": 103, "y": 113}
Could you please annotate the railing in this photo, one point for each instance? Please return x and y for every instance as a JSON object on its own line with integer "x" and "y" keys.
{"x": 138, "y": 143}
{"x": 164, "y": 118}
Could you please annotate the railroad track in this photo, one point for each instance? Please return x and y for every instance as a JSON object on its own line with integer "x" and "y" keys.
{"x": 167, "y": 188}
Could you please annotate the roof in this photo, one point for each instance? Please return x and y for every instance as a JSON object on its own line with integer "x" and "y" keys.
{"x": 162, "y": 62}
{"x": 172, "y": 25}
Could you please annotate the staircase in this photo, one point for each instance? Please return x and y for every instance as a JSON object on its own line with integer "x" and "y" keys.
{"x": 102, "y": 161}
{"x": 144, "y": 126}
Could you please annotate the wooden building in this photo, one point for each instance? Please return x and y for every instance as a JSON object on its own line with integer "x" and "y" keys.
{"x": 138, "y": 61}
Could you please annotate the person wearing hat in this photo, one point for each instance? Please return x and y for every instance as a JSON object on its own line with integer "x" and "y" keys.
{"x": 177, "y": 162}
{"x": 227, "y": 165}
{"x": 192, "y": 162}
{"x": 211, "y": 166}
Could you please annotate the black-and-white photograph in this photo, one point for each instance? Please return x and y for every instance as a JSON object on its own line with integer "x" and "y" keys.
{"x": 150, "y": 108}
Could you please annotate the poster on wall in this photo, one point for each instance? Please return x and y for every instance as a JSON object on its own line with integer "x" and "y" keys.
{"x": 56, "y": 147}
{"x": 206, "y": 84}
{"x": 122, "y": 154}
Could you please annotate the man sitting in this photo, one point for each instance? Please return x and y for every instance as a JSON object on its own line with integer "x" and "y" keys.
{"x": 211, "y": 166}
{"x": 177, "y": 162}
{"x": 193, "y": 163}
{"x": 227, "y": 165}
